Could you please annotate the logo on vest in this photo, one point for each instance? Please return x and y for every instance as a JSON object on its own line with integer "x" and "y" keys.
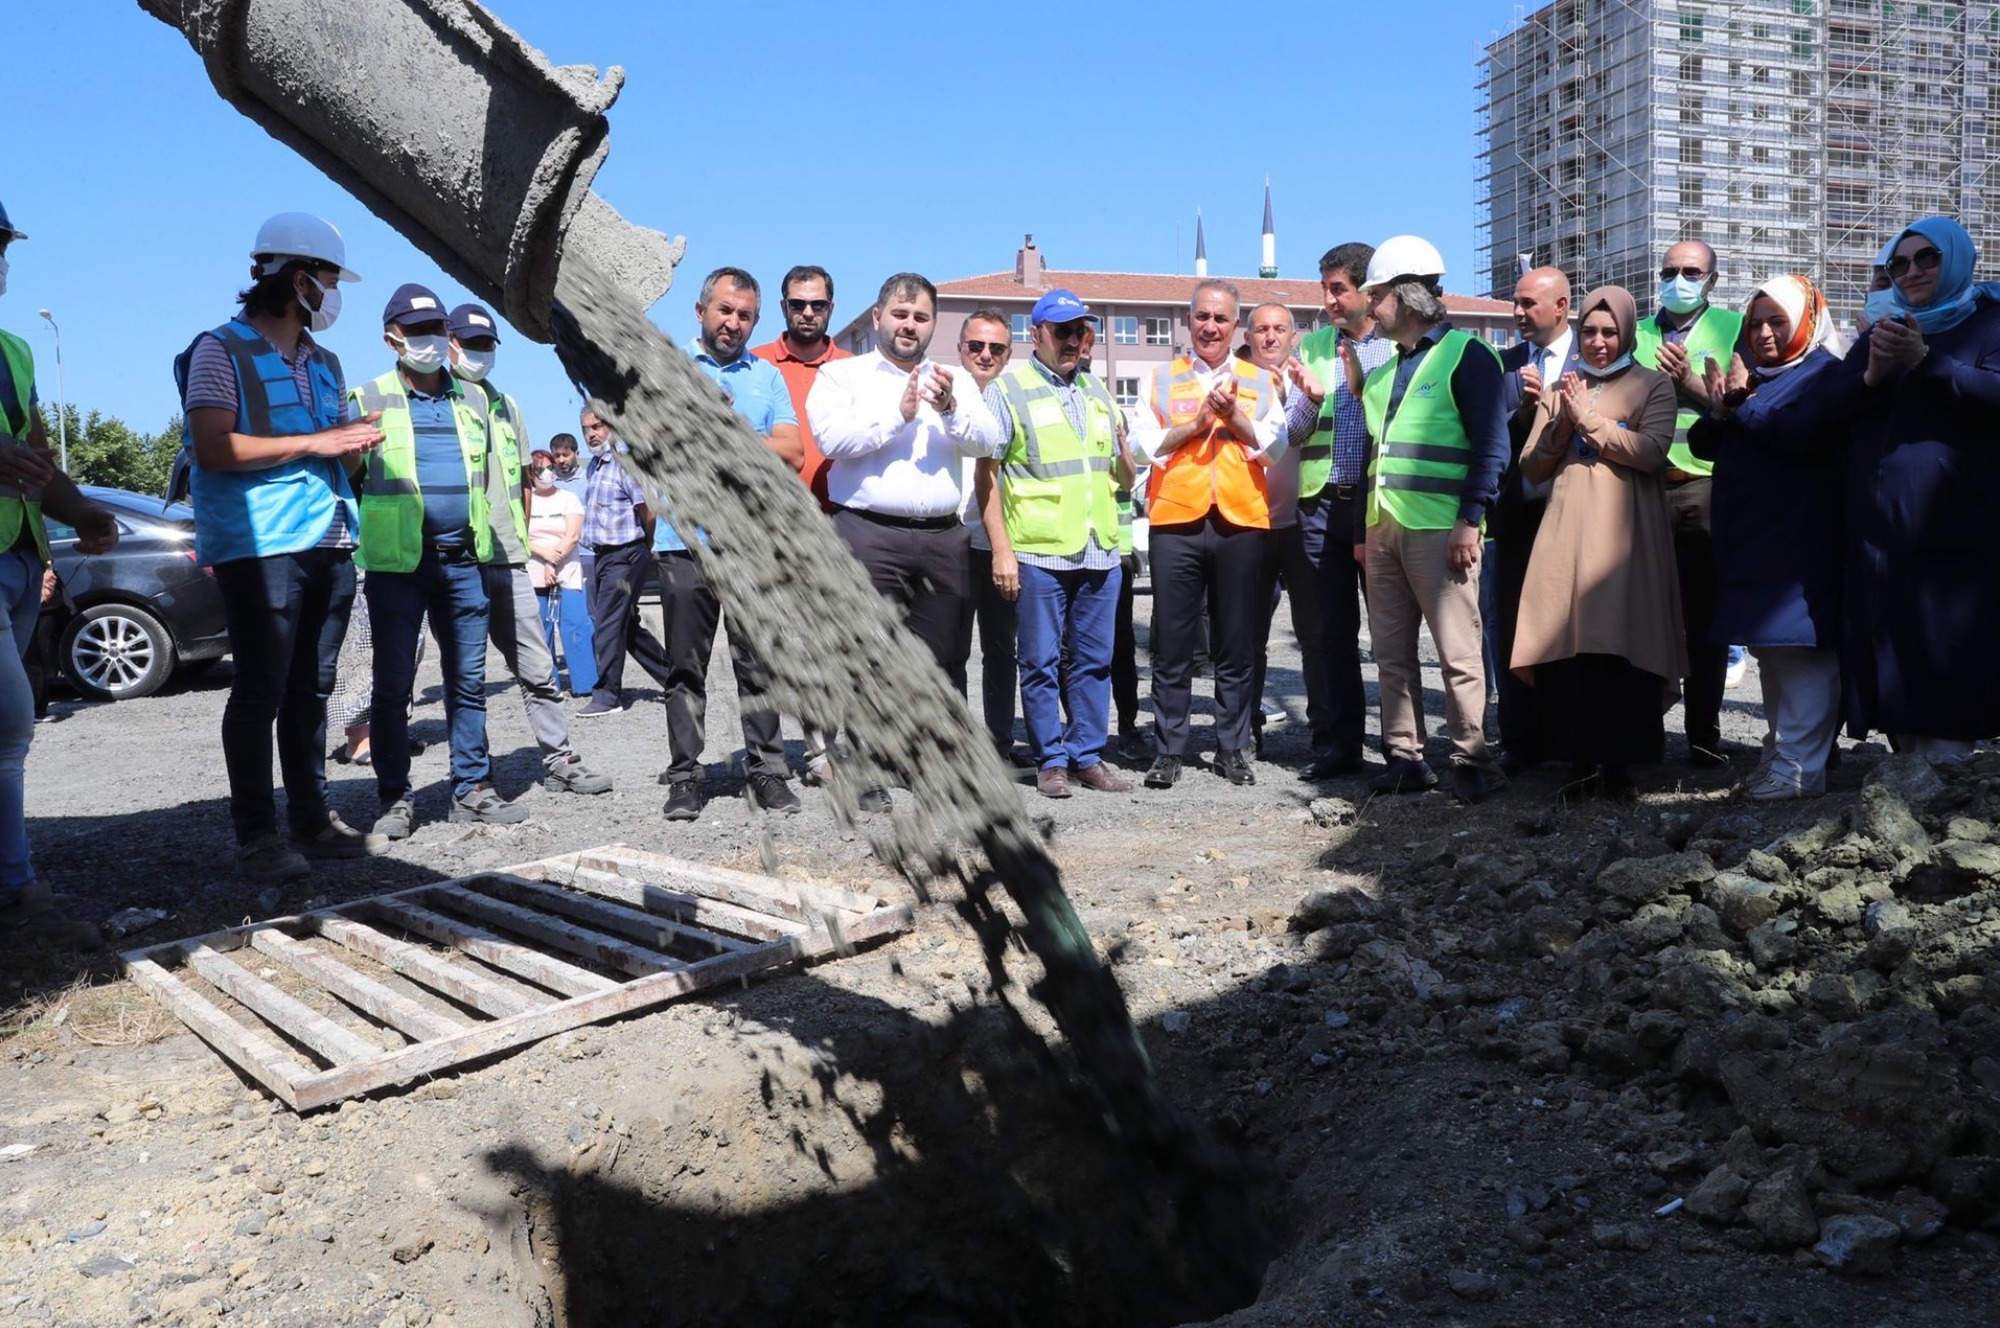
{"x": 1426, "y": 389}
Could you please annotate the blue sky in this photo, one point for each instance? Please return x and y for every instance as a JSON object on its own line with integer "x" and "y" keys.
{"x": 867, "y": 139}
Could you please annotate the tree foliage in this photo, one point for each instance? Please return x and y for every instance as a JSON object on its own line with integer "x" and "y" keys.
{"x": 105, "y": 450}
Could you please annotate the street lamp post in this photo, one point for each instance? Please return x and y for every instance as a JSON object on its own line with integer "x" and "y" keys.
{"x": 62, "y": 401}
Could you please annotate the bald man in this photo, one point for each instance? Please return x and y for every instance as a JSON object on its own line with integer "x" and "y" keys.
{"x": 1534, "y": 366}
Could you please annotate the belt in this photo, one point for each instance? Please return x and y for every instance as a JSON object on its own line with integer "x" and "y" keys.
{"x": 945, "y": 522}
{"x": 1676, "y": 476}
{"x": 454, "y": 553}
{"x": 1344, "y": 491}
{"x": 623, "y": 544}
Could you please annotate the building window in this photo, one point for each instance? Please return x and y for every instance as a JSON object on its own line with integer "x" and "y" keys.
{"x": 1159, "y": 331}
{"x": 1126, "y": 390}
{"x": 1690, "y": 152}
{"x": 1690, "y": 193}
{"x": 1124, "y": 331}
{"x": 1690, "y": 25}
{"x": 1024, "y": 331}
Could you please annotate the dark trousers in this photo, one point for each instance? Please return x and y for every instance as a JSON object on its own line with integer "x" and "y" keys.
{"x": 616, "y": 580}
{"x": 1220, "y": 565}
{"x": 1285, "y": 564}
{"x": 1694, "y": 558}
{"x": 692, "y": 612}
{"x": 1520, "y": 730}
{"x": 287, "y": 614}
{"x": 450, "y": 590}
{"x": 1125, "y": 651}
{"x": 923, "y": 571}
{"x": 1326, "y": 531}
{"x": 999, "y": 663}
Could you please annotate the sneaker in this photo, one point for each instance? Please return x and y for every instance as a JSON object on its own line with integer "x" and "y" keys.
{"x": 396, "y": 819}
{"x": 32, "y": 915}
{"x": 573, "y": 776}
{"x": 684, "y": 801}
{"x": 270, "y": 859}
{"x": 875, "y": 799}
{"x": 487, "y": 807}
{"x": 598, "y": 707}
{"x": 773, "y": 793}
{"x": 1273, "y": 713}
{"x": 338, "y": 839}
{"x": 1739, "y": 664}
{"x": 1775, "y": 787}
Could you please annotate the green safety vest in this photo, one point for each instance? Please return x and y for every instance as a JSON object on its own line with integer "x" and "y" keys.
{"x": 16, "y": 508}
{"x": 1712, "y": 336}
{"x": 392, "y": 506}
{"x": 1421, "y": 462}
{"x": 507, "y": 429}
{"x": 1319, "y": 351}
{"x": 1056, "y": 490}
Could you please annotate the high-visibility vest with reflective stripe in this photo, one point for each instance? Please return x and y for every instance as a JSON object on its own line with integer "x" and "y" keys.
{"x": 1056, "y": 491}
{"x": 392, "y": 504}
{"x": 1712, "y": 336}
{"x": 1422, "y": 459}
{"x": 16, "y": 508}
{"x": 1319, "y": 351}
{"x": 507, "y": 428}
{"x": 277, "y": 509}
{"x": 1213, "y": 469}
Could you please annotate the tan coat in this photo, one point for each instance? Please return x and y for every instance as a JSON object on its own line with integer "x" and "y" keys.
{"x": 1601, "y": 579}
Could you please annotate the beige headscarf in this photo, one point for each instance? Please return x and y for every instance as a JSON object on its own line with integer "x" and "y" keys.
{"x": 1624, "y": 310}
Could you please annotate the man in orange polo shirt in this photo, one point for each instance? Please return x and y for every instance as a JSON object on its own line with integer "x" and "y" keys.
{"x": 800, "y": 351}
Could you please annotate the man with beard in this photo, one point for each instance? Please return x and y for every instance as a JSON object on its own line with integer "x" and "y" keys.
{"x": 800, "y": 352}
{"x": 1211, "y": 428}
{"x": 727, "y": 310}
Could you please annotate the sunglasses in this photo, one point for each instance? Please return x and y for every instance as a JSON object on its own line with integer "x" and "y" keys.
{"x": 816, "y": 306}
{"x": 1926, "y": 260}
{"x": 985, "y": 347}
{"x": 1691, "y": 273}
{"x": 1067, "y": 331}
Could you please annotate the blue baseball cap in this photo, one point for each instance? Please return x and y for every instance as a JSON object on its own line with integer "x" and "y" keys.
{"x": 7, "y": 227}
{"x": 472, "y": 320}
{"x": 413, "y": 304}
{"x": 1060, "y": 306}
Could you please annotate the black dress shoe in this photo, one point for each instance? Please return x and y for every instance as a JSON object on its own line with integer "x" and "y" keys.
{"x": 1234, "y": 766}
{"x": 1166, "y": 772}
{"x": 1513, "y": 761}
{"x": 1468, "y": 784}
{"x": 1405, "y": 776}
{"x": 1335, "y": 766}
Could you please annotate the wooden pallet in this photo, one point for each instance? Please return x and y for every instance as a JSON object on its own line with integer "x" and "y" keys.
{"x": 384, "y": 990}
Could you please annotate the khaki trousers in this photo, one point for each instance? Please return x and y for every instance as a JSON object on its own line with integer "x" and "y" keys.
{"x": 1410, "y": 584}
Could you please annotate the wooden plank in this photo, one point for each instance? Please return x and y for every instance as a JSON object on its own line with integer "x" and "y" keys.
{"x": 269, "y": 1063}
{"x": 764, "y": 894}
{"x": 611, "y": 951}
{"x": 293, "y": 1017}
{"x": 365, "y": 993}
{"x": 721, "y": 926}
{"x": 420, "y": 965}
{"x": 495, "y": 950}
{"x": 634, "y": 923}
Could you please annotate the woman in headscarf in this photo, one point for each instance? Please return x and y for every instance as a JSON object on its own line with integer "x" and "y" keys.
{"x": 1776, "y": 527}
{"x": 1599, "y": 630}
{"x": 1920, "y": 398}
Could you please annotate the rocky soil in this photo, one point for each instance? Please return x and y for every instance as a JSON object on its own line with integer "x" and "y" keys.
{"x": 1679, "y": 1062}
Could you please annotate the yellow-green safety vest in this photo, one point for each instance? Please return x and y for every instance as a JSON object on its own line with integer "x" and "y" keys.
{"x": 1056, "y": 489}
{"x": 1319, "y": 351}
{"x": 392, "y": 506}
{"x": 1421, "y": 461}
{"x": 1712, "y": 336}
{"x": 16, "y": 508}
{"x": 507, "y": 428}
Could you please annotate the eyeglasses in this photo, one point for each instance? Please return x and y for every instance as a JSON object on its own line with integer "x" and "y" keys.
{"x": 985, "y": 347}
{"x": 1927, "y": 260}
{"x": 816, "y": 306}
{"x": 1067, "y": 331}
{"x": 1691, "y": 273}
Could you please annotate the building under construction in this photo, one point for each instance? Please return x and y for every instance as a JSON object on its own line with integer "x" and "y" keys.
{"x": 1793, "y": 135}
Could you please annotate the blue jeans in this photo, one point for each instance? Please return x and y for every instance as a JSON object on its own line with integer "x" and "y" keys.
{"x": 453, "y": 590}
{"x": 20, "y": 605}
{"x": 566, "y": 613}
{"x": 1076, "y": 610}
{"x": 287, "y": 615}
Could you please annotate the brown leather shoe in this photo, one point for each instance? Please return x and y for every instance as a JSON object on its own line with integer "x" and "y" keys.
{"x": 1099, "y": 777}
{"x": 1053, "y": 782}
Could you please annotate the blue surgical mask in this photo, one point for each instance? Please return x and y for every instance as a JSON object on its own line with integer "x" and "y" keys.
{"x": 1880, "y": 304}
{"x": 1588, "y": 369}
{"x": 1682, "y": 296}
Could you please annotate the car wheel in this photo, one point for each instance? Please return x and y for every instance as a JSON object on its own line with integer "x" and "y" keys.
{"x": 115, "y": 652}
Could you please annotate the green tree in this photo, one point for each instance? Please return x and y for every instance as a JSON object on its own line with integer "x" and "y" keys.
{"x": 105, "y": 450}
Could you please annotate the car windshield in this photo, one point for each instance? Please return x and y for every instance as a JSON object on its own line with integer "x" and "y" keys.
{"x": 150, "y": 509}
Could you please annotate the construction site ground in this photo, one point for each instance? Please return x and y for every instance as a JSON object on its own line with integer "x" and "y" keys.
{"x": 1452, "y": 1105}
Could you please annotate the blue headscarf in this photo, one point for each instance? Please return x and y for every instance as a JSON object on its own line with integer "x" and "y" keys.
{"x": 1957, "y": 296}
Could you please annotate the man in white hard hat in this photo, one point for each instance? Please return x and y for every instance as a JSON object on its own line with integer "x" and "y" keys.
{"x": 29, "y": 484}
{"x": 271, "y": 456}
{"x": 1438, "y": 442}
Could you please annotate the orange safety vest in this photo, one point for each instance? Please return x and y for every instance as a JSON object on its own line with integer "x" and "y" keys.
{"x": 1211, "y": 470}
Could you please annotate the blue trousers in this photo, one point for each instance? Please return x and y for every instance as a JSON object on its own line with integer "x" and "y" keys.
{"x": 451, "y": 588}
{"x": 20, "y": 604}
{"x": 566, "y": 613}
{"x": 1073, "y": 612}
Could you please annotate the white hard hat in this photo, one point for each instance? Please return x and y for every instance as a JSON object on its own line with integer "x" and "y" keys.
{"x": 1403, "y": 256}
{"x": 301, "y": 235}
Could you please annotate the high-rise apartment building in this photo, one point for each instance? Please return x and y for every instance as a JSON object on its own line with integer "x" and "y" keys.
{"x": 1793, "y": 135}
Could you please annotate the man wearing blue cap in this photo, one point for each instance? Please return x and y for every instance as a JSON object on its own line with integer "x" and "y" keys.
{"x": 513, "y": 617}
{"x": 1063, "y": 462}
{"x": 426, "y": 531}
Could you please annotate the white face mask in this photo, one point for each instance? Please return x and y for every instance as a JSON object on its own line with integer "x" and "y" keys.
{"x": 474, "y": 365}
{"x": 322, "y": 318}
{"x": 424, "y": 354}
{"x": 3, "y": 274}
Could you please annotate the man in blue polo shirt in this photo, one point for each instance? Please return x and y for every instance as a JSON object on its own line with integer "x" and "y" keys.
{"x": 727, "y": 309}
